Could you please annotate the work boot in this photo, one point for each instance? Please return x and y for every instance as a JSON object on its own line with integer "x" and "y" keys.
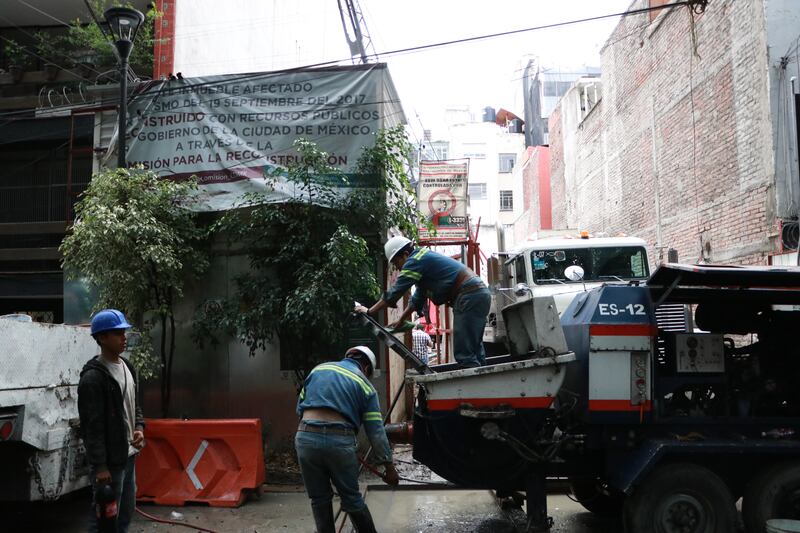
{"x": 362, "y": 521}
{"x": 323, "y": 517}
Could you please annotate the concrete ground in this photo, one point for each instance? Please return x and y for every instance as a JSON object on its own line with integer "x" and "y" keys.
{"x": 401, "y": 511}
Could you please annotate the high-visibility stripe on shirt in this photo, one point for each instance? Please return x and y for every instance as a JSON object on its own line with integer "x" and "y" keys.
{"x": 422, "y": 252}
{"x": 333, "y": 368}
{"x": 411, "y": 274}
{"x": 372, "y": 415}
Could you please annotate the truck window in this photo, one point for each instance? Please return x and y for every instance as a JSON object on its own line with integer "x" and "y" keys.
{"x": 619, "y": 263}
{"x": 519, "y": 269}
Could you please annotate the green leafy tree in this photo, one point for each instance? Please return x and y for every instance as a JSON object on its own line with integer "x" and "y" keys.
{"x": 85, "y": 43}
{"x": 310, "y": 257}
{"x": 136, "y": 242}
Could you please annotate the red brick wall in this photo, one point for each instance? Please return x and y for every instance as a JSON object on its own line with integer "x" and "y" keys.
{"x": 680, "y": 145}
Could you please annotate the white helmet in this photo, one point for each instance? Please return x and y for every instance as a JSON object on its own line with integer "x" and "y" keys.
{"x": 366, "y": 351}
{"x": 394, "y": 245}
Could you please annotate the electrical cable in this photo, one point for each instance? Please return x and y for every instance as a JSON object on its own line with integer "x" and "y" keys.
{"x": 174, "y": 522}
{"x": 694, "y": 4}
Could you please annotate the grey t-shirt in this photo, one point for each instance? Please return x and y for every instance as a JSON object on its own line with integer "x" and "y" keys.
{"x": 119, "y": 371}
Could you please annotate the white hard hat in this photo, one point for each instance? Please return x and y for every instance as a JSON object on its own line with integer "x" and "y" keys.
{"x": 366, "y": 351}
{"x": 394, "y": 245}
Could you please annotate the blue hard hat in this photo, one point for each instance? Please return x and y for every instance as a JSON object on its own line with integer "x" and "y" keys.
{"x": 108, "y": 319}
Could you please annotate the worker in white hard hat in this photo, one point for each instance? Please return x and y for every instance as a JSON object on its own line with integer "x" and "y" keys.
{"x": 441, "y": 279}
{"x": 337, "y": 398}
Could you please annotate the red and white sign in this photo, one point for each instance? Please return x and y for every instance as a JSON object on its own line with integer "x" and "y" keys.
{"x": 442, "y": 199}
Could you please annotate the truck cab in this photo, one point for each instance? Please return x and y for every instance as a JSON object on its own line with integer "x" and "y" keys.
{"x": 541, "y": 268}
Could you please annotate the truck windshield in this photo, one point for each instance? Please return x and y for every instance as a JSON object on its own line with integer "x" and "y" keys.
{"x": 618, "y": 263}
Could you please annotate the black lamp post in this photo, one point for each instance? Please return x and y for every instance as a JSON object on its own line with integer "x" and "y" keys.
{"x": 123, "y": 22}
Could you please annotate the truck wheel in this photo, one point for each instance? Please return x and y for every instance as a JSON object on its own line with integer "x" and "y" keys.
{"x": 774, "y": 493}
{"x": 590, "y": 494}
{"x": 681, "y": 498}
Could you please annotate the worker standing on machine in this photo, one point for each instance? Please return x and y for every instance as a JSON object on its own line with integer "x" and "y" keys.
{"x": 443, "y": 280}
{"x": 336, "y": 399}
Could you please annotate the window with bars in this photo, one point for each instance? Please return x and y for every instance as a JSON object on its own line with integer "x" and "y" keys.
{"x": 506, "y": 200}
{"x": 477, "y": 191}
{"x": 507, "y": 162}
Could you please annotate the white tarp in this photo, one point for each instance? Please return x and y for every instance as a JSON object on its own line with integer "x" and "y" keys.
{"x": 230, "y": 131}
{"x": 442, "y": 197}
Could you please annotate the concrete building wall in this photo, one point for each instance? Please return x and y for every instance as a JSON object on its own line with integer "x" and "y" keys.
{"x": 254, "y": 35}
{"x": 483, "y": 143}
{"x": 226, "y": 381}
{"x": 679, "y": 150}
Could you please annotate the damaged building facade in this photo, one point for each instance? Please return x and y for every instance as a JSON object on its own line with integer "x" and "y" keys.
{"x": 689, "y": 139}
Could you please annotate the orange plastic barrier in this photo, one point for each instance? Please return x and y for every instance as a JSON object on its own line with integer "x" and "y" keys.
{"x": 208, "y": 461}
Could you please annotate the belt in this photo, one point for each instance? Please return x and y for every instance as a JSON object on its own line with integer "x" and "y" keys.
{"x": 463, "y": 276}
{"x": 316, "y": 428}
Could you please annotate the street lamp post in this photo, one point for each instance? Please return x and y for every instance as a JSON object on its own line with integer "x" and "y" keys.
{"x": 123, "y": 22}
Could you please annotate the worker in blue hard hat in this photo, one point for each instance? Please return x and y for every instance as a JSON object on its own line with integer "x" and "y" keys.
{"x": 111, "y": 418}
{"x": 337, "y": 398}
{"x": 441, "y": 279}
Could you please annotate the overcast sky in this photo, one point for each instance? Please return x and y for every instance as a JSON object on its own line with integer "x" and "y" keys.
{"x": 484, "y": 72}
{"x": 264, "y": 35}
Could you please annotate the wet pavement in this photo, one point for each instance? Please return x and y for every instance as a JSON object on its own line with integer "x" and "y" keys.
{"x": 401, "y": 511}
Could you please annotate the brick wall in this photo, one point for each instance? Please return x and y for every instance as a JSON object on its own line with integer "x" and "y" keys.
{"x": 679, "y": 149}
{"x": 557, "y": 186}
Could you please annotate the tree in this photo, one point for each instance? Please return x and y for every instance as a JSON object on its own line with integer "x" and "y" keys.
{"x": 137, "y": 243}
{"x": 86, "y": 43}
{"x": 310, "y": 257}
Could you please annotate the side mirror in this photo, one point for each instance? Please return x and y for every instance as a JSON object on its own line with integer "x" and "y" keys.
{"x": 574, "y": 273}
{"x": 521, "y": 289}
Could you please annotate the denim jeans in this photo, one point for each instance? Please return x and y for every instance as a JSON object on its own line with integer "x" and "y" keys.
{"x": 123, "y": 478}
{"x": 327, "y": 458}
{"x": 469, "y": 320}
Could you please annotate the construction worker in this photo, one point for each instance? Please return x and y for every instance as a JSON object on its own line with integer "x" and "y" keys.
{"x": 112, "y": 424}
{"x": 443, "y": 280}
{"x": 336, "y": 399}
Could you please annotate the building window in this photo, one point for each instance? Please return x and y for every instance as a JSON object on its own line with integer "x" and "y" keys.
{"x": 477, "y": 191}
{"x": 507, "y": 162}
{"x": 506, "y": 200}
{"x": 556, "y": 88}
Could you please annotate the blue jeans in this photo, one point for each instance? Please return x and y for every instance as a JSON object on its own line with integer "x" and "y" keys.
{"x": 469, "y": 320}
{"x": 124, "y": 480}
{"x": 327, "y": 458}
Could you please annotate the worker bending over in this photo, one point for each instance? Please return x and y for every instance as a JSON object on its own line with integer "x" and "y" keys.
{"x": 336, "y": 399}
{"x": 443, "y": 280}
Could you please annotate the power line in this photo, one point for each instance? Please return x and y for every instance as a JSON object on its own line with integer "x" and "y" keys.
{"x": 695, "y": 5}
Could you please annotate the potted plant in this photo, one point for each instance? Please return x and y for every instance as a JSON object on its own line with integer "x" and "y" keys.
{"x": 18, "y": 59}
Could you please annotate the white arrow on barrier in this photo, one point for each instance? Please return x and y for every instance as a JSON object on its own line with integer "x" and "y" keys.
{"x": 193, "y": 463}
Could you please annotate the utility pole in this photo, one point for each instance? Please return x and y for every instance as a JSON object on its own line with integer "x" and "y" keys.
{"x": 353, "y": 23}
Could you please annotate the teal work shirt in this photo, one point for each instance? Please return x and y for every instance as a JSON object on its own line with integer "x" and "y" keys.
{"x": 434, "y": 275}
{"x": 342, "y": 386}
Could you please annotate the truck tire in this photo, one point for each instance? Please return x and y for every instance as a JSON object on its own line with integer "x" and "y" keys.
{"x": 774, "y": 493}
{"x": 589, "y": 493}
{"x": 681, "y": 498}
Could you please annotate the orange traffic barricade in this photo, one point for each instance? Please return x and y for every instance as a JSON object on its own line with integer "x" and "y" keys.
{"x": 208, "y": 461}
